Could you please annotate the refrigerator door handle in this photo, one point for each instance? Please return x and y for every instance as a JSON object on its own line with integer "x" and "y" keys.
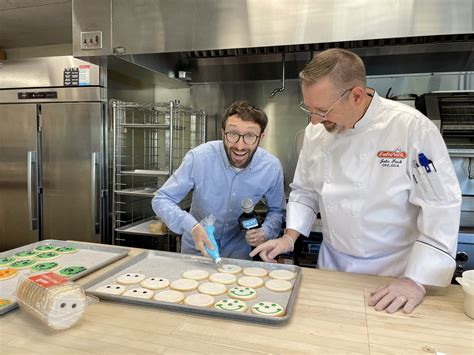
{"x": 94, "y": 192}
{"x": 32, "y": 216}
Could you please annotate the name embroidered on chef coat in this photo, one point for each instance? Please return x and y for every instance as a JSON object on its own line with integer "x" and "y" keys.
{"x": 391, "y": 158}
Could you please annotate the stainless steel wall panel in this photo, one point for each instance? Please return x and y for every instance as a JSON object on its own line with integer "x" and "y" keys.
{"x": 16, "y": 210}
{"x": 63, "y": 94}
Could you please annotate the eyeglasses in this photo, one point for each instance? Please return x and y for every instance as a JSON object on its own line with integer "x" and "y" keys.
{"x": 322, "y": 115}
{"x": 234, "y": 137}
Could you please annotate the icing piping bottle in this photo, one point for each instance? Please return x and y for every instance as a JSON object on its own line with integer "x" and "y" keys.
{"x": 214, "y": 253}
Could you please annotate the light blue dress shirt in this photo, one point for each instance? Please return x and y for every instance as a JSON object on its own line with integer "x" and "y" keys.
{"x": 218, "y": 189}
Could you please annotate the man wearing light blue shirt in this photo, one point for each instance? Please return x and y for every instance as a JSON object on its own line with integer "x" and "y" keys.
{"x": 221, "y": 174}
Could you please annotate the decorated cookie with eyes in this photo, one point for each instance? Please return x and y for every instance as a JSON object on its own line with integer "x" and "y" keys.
{"x": 26, "y": 254}
{"x": 47, "y": 255}
{"x": 130, "y": 278}
{"x": 42, "y": 248}
{"x": 65, "y": 309}
{"x": 242, "y": 293}
{"x": 46, "y": 266}
{"x": 229, "y": 304}
{"x": 155, "y": 283}
{"x": 111, "y": 289}
{"x": 139, "y": 292}
{"x": 269, "y": 309}
{"x": 7, "y": 260}
{"x": 66, "y": 250}
{"x": 22, "y": 264}
{"x": 72, "y": 270}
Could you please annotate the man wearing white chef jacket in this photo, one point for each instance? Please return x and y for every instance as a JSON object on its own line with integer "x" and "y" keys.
{"x": 379, "y": 173}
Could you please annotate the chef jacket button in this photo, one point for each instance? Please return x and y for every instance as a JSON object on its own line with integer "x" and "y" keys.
{"x": 358, "y": 185}
{"x": 354, "y": 213}
{"x": 327, "y": 179}
{"x": 363, "y": 155}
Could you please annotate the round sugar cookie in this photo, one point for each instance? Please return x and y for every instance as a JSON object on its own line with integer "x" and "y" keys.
{"x": 26, "y": 254}
{"x": 229, "y": 304}
{"x": 22, "y": 264}
{"x": 243, "y": 293}
{"x": 277, "y": 285}
{"x": 43, "y": 248}
{"x": 7, "y": 260}
{"x": 111, "y": 289}
{"x": 195, "y": 274}
{"x": 130, "y": 278}
{"x": 223, "y": 278}
{"x": 269, "y": 309}
{"x": 184, "y": 285}
{"x": 66, "y": 250}
{"x": 155, "y": 283}
{"x": 48, "y": 255}
{"x": 282, "y": 274}
{"x": 139, "y": 292}
{"x": 71, "y": 271}
{"x": 230, "y": 268}
{"x": 46, "y": 266}
{"x": 4, "y": 302}
{"x": 6, "y": 274}
{"x": 199, "y": 300}
{"x": 171, "y": 296}
{"x": 212, "y": 288}
{"x": 250, "y": 281}
{"x": 255, "y": 271}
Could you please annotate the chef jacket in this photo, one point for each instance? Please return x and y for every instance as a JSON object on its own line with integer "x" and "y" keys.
{"x": 382, "y": 213}
{"x": 218, "y": 189}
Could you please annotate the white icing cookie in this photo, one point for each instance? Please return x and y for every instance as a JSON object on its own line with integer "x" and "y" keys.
{"x": 139, "y": 292}
{"x": 212, "y": 288}
{"x": 250, "y": 281}
{"x": 223, "y": 278}
{"x": 111, "y": 289}
{"x": 268, "y": 309}
{"x": 199, "y": 300}
{"x": 184, "y": 285}
{"x": 282, "y": 274}
{"x": 155, "y": 283}
{"x": 169, "y": 296}
{"x": 276, "y": 285}
{"x": 242, "y": 293}
{"x": 255, "y": 271}
{"x": 229, "y": 304}
{"x": 195, "y": 274}
{"x": 130, "y": 278}
{"x": 65, "y": 309}
{"x": 230, "y": 268}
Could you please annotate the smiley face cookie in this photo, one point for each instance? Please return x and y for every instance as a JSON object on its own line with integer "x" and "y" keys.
{"x": 171, "y": 296}
{"x": 46, "y": 266}
{"x": 223, "y": 278}
{"x": 195, "y": 274}
{"x": 139, "y": 292}
{"x": 277, "y": 285}
{"x": 111, "y": 289}
{"x": 66, "y": 250}
{"x": 255, "y": 271}
{"x": 269, "y": 309}
{"x": 7, "y": 260}
{"x": 47, "y": 255}
{"x": 212, "y": 288}
{"x": 26, "y": 254}
{"x": 250, "y": 281}
{"x": 72, "y": 270}
{"x": 229, "y": 304}
{"x": 184, "y": 285}
{"x": 43, "y": 248}
{"x": 6, "y": 274}
{"x": 130, "y": 278}
{"x": 22, "y": 264}
{"x": 282, "y": 274}
{"x": 199, "y": 300}
{"x": 242, "y": 293}
{"x": 230, "y": 268}
{"x": 155, "y": 283}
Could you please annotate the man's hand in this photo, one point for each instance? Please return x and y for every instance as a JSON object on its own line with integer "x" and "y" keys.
{"x": 201, "y": 240}
{"x": 400, "y": 293}
{"x": 255, "y": 237}
{"x": 273, "y": 247}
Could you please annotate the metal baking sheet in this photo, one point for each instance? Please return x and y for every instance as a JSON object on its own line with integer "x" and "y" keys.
{"x": 140, "y": 227}
{"x": 172, "y": 265}
{"x": 91, "y": 256}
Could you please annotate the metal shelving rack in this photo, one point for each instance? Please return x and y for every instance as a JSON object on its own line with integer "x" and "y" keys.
{"x": 149, "y": 143}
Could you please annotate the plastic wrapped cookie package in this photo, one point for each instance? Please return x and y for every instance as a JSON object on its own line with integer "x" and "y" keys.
{"x": 55, "y": 300}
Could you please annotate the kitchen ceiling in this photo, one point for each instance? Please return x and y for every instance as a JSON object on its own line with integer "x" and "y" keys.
{"x": 29, "y": 23}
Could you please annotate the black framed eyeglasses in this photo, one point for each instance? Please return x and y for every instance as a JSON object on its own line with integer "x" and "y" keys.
{"x": 234, "y": 137}
{"x": 323, "y": 115}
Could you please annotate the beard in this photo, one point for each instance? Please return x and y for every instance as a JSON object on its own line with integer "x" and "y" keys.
{"x": 239, "y": 158}
{"x": 332, "y": 127}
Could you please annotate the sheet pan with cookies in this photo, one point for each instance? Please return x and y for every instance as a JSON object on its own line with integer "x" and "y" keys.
{"x": 66, "y": 258}
{"x": 240, "y": 289}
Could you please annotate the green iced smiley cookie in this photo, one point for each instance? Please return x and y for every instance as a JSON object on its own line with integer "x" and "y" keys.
{"x": 26, "y": 254}
{"x": 45, "y": 248}
{"x": 7, "y": 260}
{"x": 47, "y": 255}
{"x": 66, "y": 250}
{"x": 72, "y": 270}
{"x": 45, "y": 266}
{"x": 231, "y": 305}
{"x": 22, "y": 264}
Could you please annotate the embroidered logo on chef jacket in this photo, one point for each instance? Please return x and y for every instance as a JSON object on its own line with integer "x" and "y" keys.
{"x": 391, "y": 158}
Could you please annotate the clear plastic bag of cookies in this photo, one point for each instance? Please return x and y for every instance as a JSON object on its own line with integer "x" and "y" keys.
{"x": 55, "y": 300}
{"x": 157, "y": 226}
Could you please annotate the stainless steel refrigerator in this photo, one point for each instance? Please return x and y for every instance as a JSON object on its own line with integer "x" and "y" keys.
{"x": 52, "y": 152}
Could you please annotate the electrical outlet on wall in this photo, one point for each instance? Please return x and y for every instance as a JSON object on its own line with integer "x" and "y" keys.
{"x": 91, "y": 40}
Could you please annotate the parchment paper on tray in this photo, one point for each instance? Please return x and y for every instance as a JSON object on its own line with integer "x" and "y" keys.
{"x": 171, "y": 266}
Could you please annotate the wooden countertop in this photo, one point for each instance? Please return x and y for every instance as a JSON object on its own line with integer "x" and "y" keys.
{"x": 330, "y": 316}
